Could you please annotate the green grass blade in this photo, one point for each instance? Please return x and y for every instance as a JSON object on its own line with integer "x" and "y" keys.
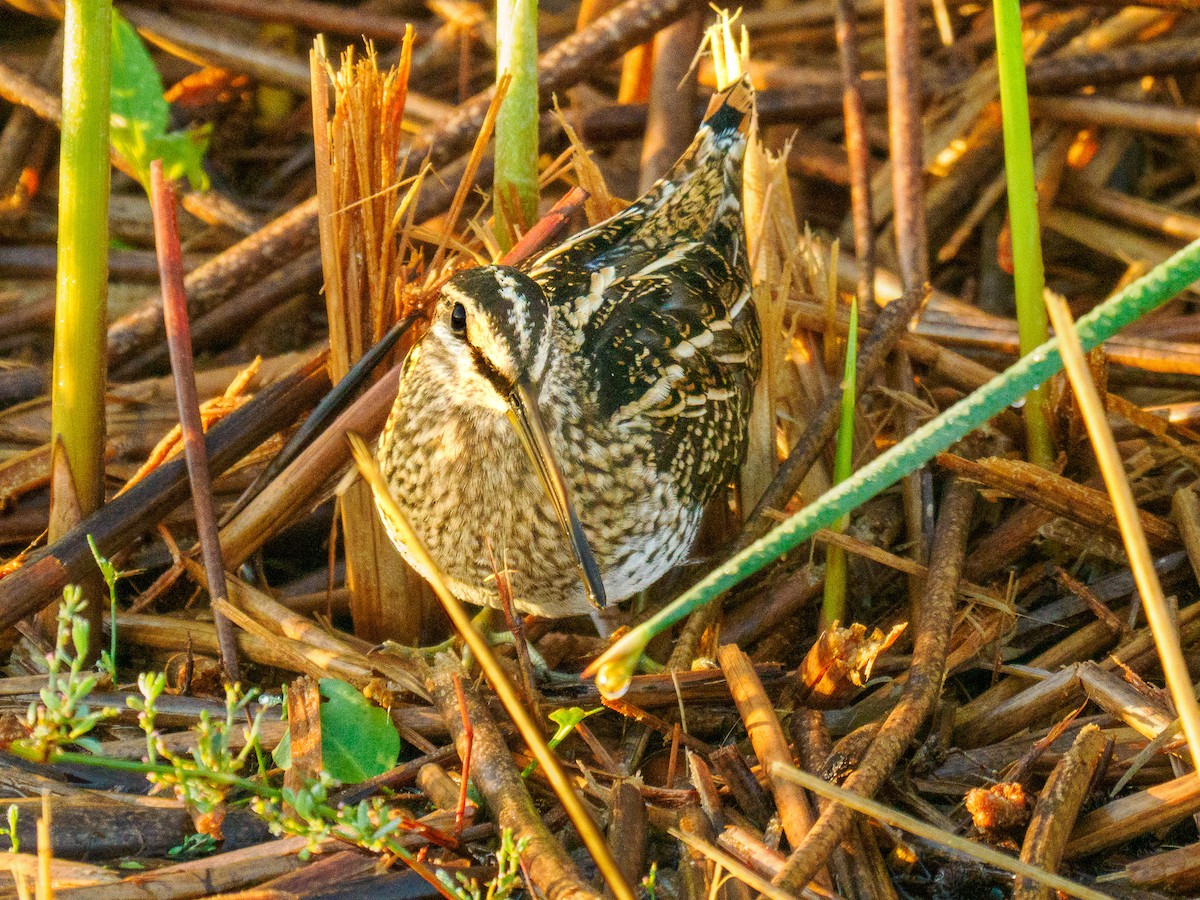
{"x": 1028, "y": 273}
{"x": 833, "y": 606}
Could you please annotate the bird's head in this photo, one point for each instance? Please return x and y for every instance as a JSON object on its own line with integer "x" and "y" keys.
{"x": 492, "y": 326}
{"x": 494, "y": 323}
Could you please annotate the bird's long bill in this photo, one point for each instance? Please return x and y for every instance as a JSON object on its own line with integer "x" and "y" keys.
{"x": 523, "y": 413}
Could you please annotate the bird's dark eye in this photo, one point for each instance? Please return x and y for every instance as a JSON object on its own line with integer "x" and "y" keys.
{"x": 458, "y": 319}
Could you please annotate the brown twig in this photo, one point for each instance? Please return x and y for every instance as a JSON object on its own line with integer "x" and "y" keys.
{"x": 308, "y": 14}
{"x": 854, "y": 114}
{"x": 179, "y": 340}
{"x": 551, "y": 870}
{"x": 770, "y": 745}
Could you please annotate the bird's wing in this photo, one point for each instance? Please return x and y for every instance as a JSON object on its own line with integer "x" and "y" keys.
{"x": 657, "y": 301}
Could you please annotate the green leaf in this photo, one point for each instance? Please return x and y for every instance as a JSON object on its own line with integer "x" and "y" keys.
{"x": 141, "y": 117}
{"x": 358, "y": 739}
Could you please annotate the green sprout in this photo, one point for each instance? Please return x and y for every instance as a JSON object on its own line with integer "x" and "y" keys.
{"x": 506, "y": 880}
{"x": 566, "y": 720}
{"x": 108, "y": 658}
{"x": 833, "y": 607}
{"x": 64, "y": 718}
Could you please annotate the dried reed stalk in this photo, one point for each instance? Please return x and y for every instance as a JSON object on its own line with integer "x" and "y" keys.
{"x": 772, "y": 240}
{"x": 360, "y": 202}
{"x": 1130, "y": 520}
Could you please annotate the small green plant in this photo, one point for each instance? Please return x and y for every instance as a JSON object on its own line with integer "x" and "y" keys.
{"x": 193, "y": 846}
{"x": 64, "y": 718}
{"x": 108, "y": 658}
{"x": 191, "y": 777}
{"x": 307, "y": 812}
{"x": 650, "y": 882}
{"x": 10, "y": 830}
{"x": 207, "y": 776}
{"x": 566, "y": 720}
{"x": 508, "y": 873}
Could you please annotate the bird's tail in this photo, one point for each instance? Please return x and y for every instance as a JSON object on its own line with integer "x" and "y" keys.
{"x": 729, "y": 110}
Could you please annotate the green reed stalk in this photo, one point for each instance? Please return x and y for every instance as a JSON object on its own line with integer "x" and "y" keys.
{"x": 833, "y": 606}
{"x": 515, "y": 191}
{"x": 615, "y": 667}
{"x": 77, "y": 398}
{"x": 1028, "y": 273}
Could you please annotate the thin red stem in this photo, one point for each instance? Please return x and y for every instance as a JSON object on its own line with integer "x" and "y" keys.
{"x": 179, "y": 343}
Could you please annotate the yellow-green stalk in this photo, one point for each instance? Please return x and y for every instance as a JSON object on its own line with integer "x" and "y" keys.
{"x": 1028, "y": 274}
{"x": 833, "y": 607}
{"x": 77, "y": 398}
{"x": 515, "y": 191}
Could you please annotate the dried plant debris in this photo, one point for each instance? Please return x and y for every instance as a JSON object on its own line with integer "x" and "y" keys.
{"x": 840, "y": 662}
{"x": 998, "y": 809}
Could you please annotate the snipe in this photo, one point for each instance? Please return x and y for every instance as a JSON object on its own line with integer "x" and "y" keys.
{"x": 613, "y": 377}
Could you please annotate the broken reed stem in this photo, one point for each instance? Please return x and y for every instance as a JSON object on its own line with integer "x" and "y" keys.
{"x": 1162, "y": 624}
{"x": 921, "y": 691}
{"x": 849, "y": 801}
{"x": 361, "y": 210}
{"x": 1028, "y": 274}
{"x": 1057, "y": 807}
{"x": 179, "y": 342}
{"x": 498, "y": 677}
